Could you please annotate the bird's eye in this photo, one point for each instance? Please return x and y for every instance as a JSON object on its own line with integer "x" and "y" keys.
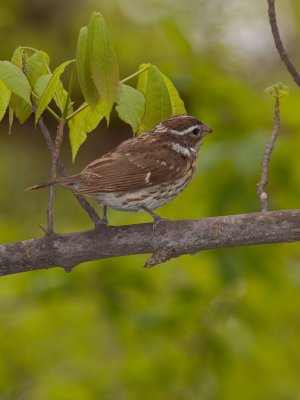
{"x": 195, "y": 131}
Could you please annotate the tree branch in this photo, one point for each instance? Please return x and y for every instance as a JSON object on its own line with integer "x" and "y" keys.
{"x": 170, "y": 239}
{"x": 278, "y": 43}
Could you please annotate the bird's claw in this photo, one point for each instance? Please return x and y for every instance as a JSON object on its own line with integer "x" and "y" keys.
{"x": 101, "y": 222}
{"x": 157, "y": 220}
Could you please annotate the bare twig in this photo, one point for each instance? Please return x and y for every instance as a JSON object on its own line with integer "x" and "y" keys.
{"x": 57, "y": 146}
{"x": 55, "y": 151}
{"x": 178, "y": 237}
{"x": 263, "y": 196}
{"x": 51, "y": 147}
{"x": 81, "y": 200}
{"x": 278, "y": 43}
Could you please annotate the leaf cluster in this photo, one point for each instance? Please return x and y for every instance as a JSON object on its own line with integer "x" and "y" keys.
{"x": 28, "y": 85}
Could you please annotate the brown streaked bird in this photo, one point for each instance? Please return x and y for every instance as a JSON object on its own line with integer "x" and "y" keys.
{"x": 144, "y": 172}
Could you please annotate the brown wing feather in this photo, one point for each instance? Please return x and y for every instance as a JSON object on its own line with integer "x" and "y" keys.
{"x": 132, "y": 166}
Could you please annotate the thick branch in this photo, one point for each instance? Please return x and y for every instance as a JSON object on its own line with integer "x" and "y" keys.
{"x": 170, "y": 239}
{"x": 278, "y": 43}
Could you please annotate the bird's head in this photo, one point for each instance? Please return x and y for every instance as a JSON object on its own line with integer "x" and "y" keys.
{"x": 183, "y": 129}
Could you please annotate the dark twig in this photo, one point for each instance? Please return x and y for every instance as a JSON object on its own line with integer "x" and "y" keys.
{"x": 278, "y": 43}
{"x": 56, "y": 148}
{"x": 81, "y": 200}
{"x": 266, "y": 159}
{"x": 55, "y": 151}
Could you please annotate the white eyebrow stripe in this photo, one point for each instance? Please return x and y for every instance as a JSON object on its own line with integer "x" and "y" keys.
{"x": 185, "y": 131}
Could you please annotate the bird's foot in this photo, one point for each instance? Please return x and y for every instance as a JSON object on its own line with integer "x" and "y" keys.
{"x": 157, "y": 220}
{"x": 101, "y": 223}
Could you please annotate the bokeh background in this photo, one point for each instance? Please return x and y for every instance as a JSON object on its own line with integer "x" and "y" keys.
{"x": 219, "y": 325}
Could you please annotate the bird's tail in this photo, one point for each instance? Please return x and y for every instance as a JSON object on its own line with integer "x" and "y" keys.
{"x": 69, "y": 181}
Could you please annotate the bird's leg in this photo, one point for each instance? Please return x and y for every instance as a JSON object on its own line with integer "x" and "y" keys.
{"x": 156, "y": 218}
{"x": 102, "y": 221}
{"x": 104, "y": 218}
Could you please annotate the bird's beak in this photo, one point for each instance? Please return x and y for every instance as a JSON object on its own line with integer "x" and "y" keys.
{"x": 205, "y": 130}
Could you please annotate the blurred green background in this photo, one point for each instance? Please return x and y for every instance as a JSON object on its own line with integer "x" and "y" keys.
{"x": 220, "y": 325}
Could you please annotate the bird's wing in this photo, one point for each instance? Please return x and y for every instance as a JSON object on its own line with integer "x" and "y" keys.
{"x": 131, "y": 167}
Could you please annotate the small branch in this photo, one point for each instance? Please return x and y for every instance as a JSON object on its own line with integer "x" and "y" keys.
{"x": 45, "y": 132}
{"x": 263, "y": 196}
{"x": 278, "y": 43}
{"x": 81, "y": 200}
{"x": 178, "y": 237}
{"x": 80, "y": 108}
{"x": 137, "y": 73}
{"x": 55, "y": 151}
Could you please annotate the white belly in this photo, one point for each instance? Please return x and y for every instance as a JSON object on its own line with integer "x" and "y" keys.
{"x": 151, "y": 197}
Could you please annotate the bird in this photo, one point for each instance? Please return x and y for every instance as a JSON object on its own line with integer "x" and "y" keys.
{"x": 143, "y": 172}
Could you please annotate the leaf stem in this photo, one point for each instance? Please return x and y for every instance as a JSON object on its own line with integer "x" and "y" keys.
{"x": 85, "y": 104}
{"x": 134, "y": 74}
{"x": 80, "y": 108}
{"x": 30, "y": 48}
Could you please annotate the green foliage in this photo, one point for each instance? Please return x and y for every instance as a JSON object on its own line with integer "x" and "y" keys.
{"x": 104, "y": 66}
{"x": 162, "y": 99}
{"x": 130, "y": 106}
{"x": 37, "y": 65}
{"x": 83, "y": 63}
{"x": 177, "y": 104}
{"x": 50, "y": 90}
{"x": 98, "y": 73}
{"x": 152, "y": 85}
{"x": 4, "y": 99}
{"x": 20, "y": 108}
{"x": 84, "y": 122}
{"x": 13, "y": 77}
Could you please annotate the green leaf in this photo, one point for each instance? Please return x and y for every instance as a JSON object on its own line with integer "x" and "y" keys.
{"x": 277, "y": 90}
{"x": 84, "y": 122}
{"x": 158, "y": 104}
{"x": 83, "y": 65}
{"x": 60, "y": 98}
{"x": 41, "y": 84}
{"x": 177, "y": 103}
{"x": 130, "y": 106}
{"x": 21, "y": 109}
{"x": 5, "y": 94}
{"x": 143, "y": 78}
{"x": 50, "y": 89}
{"x": 37, "y": 65}
{"x": 17, "y": 56}
{"x": 13, "y": 77}
{"x": 104, "y": 66}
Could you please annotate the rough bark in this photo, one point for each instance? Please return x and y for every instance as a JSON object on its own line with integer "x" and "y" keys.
{"x": 170, "y": 239}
